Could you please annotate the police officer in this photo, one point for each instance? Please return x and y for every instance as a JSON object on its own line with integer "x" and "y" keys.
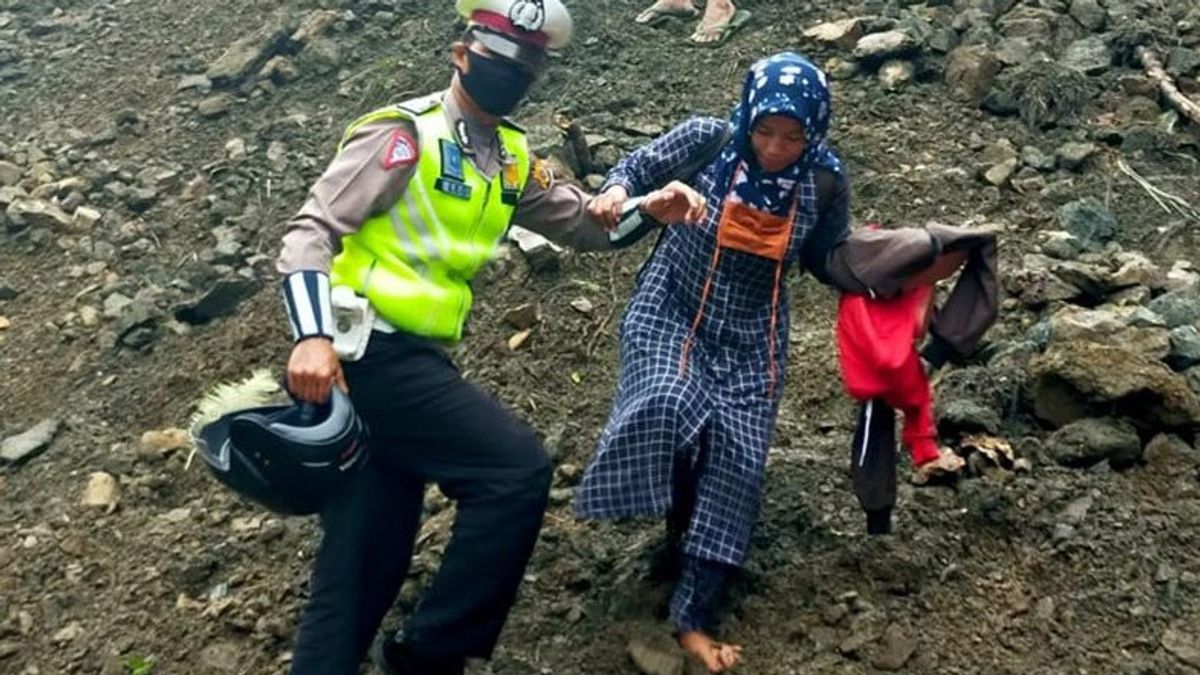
{"x": 411, "y": 207}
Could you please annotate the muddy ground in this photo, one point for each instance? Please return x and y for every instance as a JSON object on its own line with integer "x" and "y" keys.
{"x": 1056, "y": 569}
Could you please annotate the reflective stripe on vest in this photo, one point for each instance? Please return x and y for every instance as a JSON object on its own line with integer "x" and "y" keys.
{"x": 413, "y": 261}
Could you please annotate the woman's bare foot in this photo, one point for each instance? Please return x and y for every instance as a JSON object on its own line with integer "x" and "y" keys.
{"x": 666, "y": 8}
{"x": 717, "y": 15}
{"x": 716, "y": 656}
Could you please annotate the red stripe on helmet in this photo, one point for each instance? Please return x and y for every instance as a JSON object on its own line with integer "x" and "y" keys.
{"x": 501, "y": 24}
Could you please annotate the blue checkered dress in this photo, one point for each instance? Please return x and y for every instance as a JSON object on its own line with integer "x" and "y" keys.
{"x": 659, "y": 414}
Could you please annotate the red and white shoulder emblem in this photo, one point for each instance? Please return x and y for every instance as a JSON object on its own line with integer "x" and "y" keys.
{"x": 401, "y": 150}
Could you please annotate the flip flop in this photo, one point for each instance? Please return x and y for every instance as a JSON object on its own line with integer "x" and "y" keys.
{"x": 656, "y": 16}
{"x": 740, "y": 18}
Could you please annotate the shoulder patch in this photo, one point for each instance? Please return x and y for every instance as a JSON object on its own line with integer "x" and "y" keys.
{"x": 542, "y": 173}
{"x": 421, "y": 105}
{"x": 401, "y": 150}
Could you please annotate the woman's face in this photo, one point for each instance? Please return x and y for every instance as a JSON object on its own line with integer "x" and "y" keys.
{"x": 778, "y": 141}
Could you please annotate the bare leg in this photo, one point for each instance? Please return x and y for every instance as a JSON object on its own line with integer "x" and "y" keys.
{"x": 679, "y": 7}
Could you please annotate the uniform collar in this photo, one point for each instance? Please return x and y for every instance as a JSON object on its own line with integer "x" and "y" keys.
{"x": 469, "y": 133}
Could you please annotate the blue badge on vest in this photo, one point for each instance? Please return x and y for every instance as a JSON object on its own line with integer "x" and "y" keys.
{"x": 452, "y": 181}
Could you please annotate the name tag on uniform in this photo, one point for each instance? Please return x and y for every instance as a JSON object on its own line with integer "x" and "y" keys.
{"x": 452, "y": 180}
{"x": 510, "y": 182}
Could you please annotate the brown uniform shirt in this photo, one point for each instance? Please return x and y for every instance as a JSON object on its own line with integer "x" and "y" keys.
{"x": 357, "y": 186}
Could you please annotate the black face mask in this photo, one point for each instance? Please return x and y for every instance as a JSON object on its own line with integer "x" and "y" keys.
{"x": 495, "y": 86}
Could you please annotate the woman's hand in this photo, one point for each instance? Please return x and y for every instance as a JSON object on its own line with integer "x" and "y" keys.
{"x": 606, "y": 207}
{"x": 675, "y": 202}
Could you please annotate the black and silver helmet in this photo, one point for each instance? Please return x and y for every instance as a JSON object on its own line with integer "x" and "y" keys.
{"x": 288, "y": 458}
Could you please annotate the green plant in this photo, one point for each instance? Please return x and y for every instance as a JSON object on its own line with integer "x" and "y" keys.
{"x": 139, "y": 665}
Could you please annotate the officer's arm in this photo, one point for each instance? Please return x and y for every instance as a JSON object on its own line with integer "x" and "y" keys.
{"x": 558, "y": 211}
{"x": 367, "y": 177}
{"x": 678, "y": 154}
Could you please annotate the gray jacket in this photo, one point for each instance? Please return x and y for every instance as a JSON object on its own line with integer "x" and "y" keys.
{"x": 879, "y": 262}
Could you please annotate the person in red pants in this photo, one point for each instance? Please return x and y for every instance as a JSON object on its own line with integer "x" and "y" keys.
{"x": 887, "y": 311}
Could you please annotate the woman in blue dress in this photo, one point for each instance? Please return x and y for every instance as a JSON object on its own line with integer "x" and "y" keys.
{"x": 704, "y": 338}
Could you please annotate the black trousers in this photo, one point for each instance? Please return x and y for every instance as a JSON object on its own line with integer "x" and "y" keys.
{"x": 427, "y": 424}
{"x": 873, "y": 464}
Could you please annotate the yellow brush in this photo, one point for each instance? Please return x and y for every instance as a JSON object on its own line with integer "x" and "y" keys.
{"x": 260, "y": 389}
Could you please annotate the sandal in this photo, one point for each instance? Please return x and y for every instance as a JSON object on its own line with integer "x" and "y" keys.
{"x": 656, "y": 16}
{"x": 721, "y": 32}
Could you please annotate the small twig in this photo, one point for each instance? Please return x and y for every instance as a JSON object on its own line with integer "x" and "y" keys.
{"x": 1170, "y": 203}
{"x": 1154, "y": 68}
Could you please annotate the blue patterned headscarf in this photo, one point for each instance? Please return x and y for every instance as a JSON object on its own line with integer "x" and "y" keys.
{"x": 784, "y": 84}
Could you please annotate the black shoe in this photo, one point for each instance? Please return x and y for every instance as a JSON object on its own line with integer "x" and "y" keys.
{"x": 398, "y": 658}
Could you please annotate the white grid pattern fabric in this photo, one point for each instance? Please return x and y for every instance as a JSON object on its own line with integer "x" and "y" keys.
{"x": 658, "y": 413}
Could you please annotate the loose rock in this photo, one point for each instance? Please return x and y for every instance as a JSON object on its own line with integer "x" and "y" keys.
{"x": 25, "y": 445}
{"x": 1085, "y": 442}
{"x": 102, "y": 491}
{"x": 1089, "y": 221}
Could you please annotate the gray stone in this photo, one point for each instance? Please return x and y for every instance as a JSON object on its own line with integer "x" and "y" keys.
{"x": 542, "y": 254}
{"x": 896, "y": 74}
{"x": 1000, "y": 151}
{"x": 247, "y": 55}
{"x": 24, "y": 445}
{"x": 1183, "y": 642}
{"x": 1089, "y": 14}
{"x": 1110, "y": 326}
{"x": 654, "y": 658}
{"x": 1185, "y": 347}
{"x": 280, "y": 70}
{"x": 1135, "y": 269}
{"x": 1033, "y": 157}
{"x": 895, "y": 649}
{"x": 1000, "y": 174}
{"x": 843, "y": 34}
{"x": 215, "y": 106}
{"x": 1073, "y": 380}
{"x": 1095, "y": 281}
{"x": 38, "y": 213}
{"x": 1182, "y": 61}
{"x": 141, "y": 199}
{"x": 1015, "y": 51}
{"x": 967, "y": 416}
{"x": 1074, "y": 155}
{"x": 221, "y": 299}
{"x": 114, "y": 304}
{"x": 1036, "y": 284}
{"x": 1192, "y": 375}
{"x": 7, "y": 291}
{"x": 10, "y": 174}
{"x": 1061, "y": 245}
{"x": 200, "y": 83}
{"x": 841, "y": 69}
{"x": 1182, "y": 277}
{"x": 1177, "y": 308}
{"x": 316, "y": 24}
{"x": 970, "y": 72}
{"x": 137, "y": 326}
{"x": 1089, "y": 220}
{"x": 1091, "y": 441}
{"x": 886, "y": 45}
{"x": 1169, "y": 454}
{"x": 1092, "y": 55}
{"x": 942, "y": 40}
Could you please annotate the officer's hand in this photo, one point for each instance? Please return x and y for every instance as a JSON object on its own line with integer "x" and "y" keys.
{"x": 676, "y": 202}
{"x": 313, "y": 369}
{"x": 605, "y": 208}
